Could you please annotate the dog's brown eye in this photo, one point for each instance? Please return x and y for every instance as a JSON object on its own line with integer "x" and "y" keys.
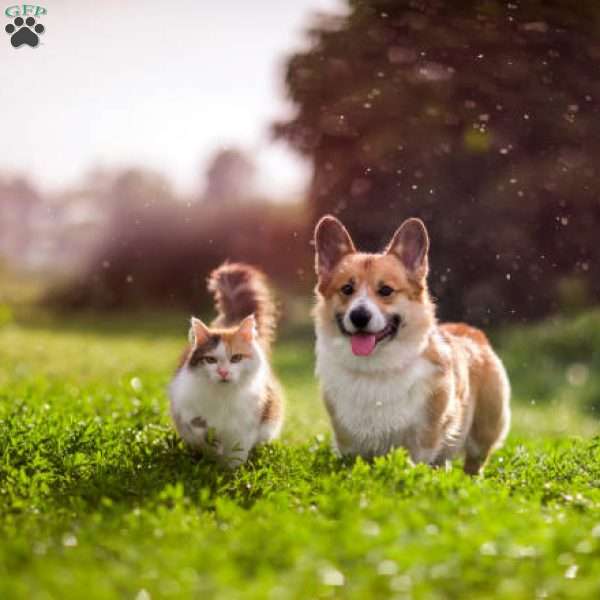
{"x": 235, "y": 358}
{"x": 347, "y": 289}
{"x": 385, "y": 290}
{"x": 211, "y": 360}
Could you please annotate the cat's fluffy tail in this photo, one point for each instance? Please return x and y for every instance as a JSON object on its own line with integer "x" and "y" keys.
{"x": 241, "y": 290}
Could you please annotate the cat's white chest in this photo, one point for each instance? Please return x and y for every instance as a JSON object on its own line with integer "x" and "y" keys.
{"x": 232, "y": 414}
{"x": 377, "y": 410}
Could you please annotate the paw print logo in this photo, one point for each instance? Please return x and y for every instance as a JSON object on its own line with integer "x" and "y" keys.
{"x": 24, "y": 32}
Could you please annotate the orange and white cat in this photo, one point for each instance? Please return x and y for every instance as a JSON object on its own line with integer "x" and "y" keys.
{"x": 224, "y": 398}
{"x": 391, "y": 375}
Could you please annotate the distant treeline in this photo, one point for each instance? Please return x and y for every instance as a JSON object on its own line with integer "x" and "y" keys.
{"x": 158, "y": 250}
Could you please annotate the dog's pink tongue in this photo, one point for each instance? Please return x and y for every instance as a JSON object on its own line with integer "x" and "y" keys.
{"x": 363, "y": 344}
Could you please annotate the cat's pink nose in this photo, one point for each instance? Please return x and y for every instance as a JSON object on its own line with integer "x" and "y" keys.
{"x": 223, "y": 373}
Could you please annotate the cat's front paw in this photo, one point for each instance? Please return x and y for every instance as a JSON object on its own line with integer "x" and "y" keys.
{"x": 217, "y": 447}
{"x": 196, "y": 432}
{"x": 198, "y": 423}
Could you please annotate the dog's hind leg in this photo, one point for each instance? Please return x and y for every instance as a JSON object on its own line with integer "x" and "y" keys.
{"x": 491, "y": 417}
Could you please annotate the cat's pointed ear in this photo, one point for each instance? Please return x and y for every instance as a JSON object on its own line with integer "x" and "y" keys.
{"x": 199, "y": 332}
{"x": 410, "y": 244}
{"x": 247, "y": 328}
{"x": 332, "y": 243}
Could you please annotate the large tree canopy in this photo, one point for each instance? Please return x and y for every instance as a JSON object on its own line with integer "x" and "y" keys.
{"x": 480, "y": 117}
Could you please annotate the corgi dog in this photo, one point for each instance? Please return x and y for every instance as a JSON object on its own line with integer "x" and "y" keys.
{"x": 225, "y": 398}
{"x": 391, "y": 375}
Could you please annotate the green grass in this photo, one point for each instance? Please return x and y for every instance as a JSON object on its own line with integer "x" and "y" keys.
{"x": 98, "y": 498}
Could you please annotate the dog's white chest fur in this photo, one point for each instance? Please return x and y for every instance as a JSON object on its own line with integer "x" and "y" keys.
{"x": 379, "y": 401}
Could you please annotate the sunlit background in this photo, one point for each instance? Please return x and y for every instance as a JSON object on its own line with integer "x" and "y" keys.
{"x": 159, "y": 85}
{"x": 487, "y": 114}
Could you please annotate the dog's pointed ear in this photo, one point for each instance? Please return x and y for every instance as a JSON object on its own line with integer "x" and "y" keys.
{"x": 410, "y": 245}
{"x": 332, "y": 243}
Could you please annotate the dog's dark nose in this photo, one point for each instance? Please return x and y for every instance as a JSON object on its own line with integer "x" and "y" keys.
{"x": 360, "y": 317}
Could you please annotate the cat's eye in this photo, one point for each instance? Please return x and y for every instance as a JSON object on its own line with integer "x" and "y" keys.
{"x": 235, "y": 358}
{"x": 347, "y": 289}
{"x": 211, "y": 360}
{"x": 385, "y": 290}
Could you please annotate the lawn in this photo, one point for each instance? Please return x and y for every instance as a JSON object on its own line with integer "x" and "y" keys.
{"x": 98, "y": 498}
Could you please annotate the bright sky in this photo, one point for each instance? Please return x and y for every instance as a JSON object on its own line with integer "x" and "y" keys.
{"x": 155, "y": 83}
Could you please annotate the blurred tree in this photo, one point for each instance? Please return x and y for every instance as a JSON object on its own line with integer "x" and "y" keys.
{"x": 481, "y": 117}
{"x": 230, "y": 177}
